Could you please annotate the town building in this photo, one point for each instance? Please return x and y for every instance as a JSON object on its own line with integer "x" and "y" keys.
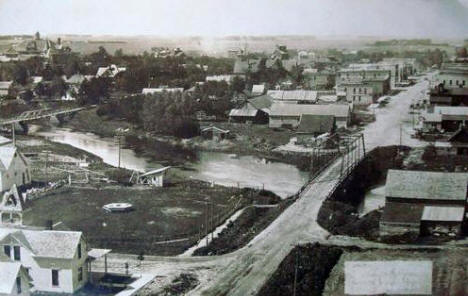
{"x": 440, "y": 96}
{"x": 289, "y": 115}
{"x": 420, "y": 202}
{"x": 452, "y": 75}
{"x": 452, "y": 118}
{"x": 312, "y": 126}
{"x": 14, "y": 278}
{"x": 255, "y": 110}
{"x": 351, "y": 80}
{"x": 56, "y": 261}
{"x": 110, "y": 71}
{"x": 5, "y": 87}
{"x": 14, "y": 169}
{"x": 319, "y": 80}
{"x": 228, "y": 78}
{"x": 258, "y": 89}
{"x": 388, "y": 277}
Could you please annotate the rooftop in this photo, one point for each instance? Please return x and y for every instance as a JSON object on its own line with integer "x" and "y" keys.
{"x": 316, "y": 123}
{"x": 8, "y": 274}
{"x": 426, "y": 185}
{"x": 434, "y": 213}
{"x": 337, "y": 110}
{"x": 449, "y": 110}
{"x": 396, "y": 277}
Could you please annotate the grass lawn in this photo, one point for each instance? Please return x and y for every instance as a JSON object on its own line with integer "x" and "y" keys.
{"x": 160, "y": 214}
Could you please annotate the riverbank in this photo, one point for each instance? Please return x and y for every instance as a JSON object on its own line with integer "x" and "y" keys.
{"x": 255, "y": 140}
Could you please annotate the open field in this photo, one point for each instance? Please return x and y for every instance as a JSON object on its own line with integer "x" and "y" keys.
{"x": 160, "y": 214}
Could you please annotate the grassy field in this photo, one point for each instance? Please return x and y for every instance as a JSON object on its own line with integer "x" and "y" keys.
{"x": 160, "y": 214}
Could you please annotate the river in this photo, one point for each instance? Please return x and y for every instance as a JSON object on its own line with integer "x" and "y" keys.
{"x": 220, "y": 168}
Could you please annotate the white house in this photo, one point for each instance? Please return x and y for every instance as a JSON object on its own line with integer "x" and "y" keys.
{"x": 56, "y": 261}
{"x": 110, "y": 71}
{"x": 14, "y": 168}
{"x": 14, "y": 279}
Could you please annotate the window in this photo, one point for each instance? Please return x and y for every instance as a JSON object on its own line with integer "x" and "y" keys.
{"x": 80, "y": 274}
{"x": 354, "y": 90}
{"x": 450, "y": 82}
{"x": 359, "y": 98}
{"x": 79, "y": 251}
{"x": 55, "y": 277}
{"x": 7, "y": 250}
{"x": 17, "y": 253}
{"x": 359, "y": 90}
{"x": 18, "y": 285}
{"x": 365, "y": 90}
{"x": 456, "y": 82}
{"x": 464, "y": 81}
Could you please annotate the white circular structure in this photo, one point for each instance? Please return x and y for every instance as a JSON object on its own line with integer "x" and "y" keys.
{"x": 118, "y": 207}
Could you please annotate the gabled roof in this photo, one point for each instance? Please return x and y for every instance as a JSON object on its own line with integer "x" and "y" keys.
{"x": 110, "y": 71}
{"x": 11, "y": 200}
{"x": 156, "y": 171}
{"x": 426, "y": 185}
{"x": 262, "y": 102}
{"x": 4, "y": 141}
{"x": 316, "y": 123}
{"x": 214, "y": 128}
{"x": 337, "y": 110}
{"x": 7, "y": 153}
{"x": 294, "y": 95}
{"x": 9, "y": 271}
{"x": 246, "y": 111}
{"x": 52, "y": 243}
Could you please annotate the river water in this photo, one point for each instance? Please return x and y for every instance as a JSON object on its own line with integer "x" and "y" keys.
{"x": 220, "y": 168}
{"x": 374, "y": 199}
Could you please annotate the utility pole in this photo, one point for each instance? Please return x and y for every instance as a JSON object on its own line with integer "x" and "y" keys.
{"x": 206, "y": 223}
{"x": 13, "y": 134}
{"x": 295, "y": 271}
{"x": 400, "y": 133}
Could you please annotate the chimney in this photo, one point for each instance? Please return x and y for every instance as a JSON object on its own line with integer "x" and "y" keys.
{"x": 59, "y": 41}
{"x": 49, "y": 225}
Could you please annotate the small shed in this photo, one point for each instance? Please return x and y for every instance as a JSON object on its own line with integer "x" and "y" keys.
{"x": 442, "y": 220}
{"x": 214, "y": 133}
{"x": 154, "y": 177}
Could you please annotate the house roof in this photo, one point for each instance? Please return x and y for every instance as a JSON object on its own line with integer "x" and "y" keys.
{"x": 316, "y": 123}
{"x": 400, "y": 212}
{"x": 8, "y": 273}
{"x": 156, "y": 171}
{"x": 76, "y": 79}
{"x": 52, "y": 243}
{"x": 426, "y": 185}
{"x": 262, "y": 102}
{"x": 5, "y": 84}
{"x": 7, "y": 153}
{"x": 440, "y": 213}
{"x": 451, "y": 110}
{"x": 293, "y": 95}
{"x": 432, "y": 117}
{"x": 245, "y": 111}
{"x": 337, "y": 110}
{"x": 258, "y": 88}
{"x": 393, "y": 277}
{"x": 109, "y": 71}
{"x": 4, "y": 141}
{"x": 214, "y": 128}
{"x": 146, "y": 91}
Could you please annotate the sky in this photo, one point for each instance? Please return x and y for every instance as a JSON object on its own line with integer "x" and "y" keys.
{"x": 402, "y": 18}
